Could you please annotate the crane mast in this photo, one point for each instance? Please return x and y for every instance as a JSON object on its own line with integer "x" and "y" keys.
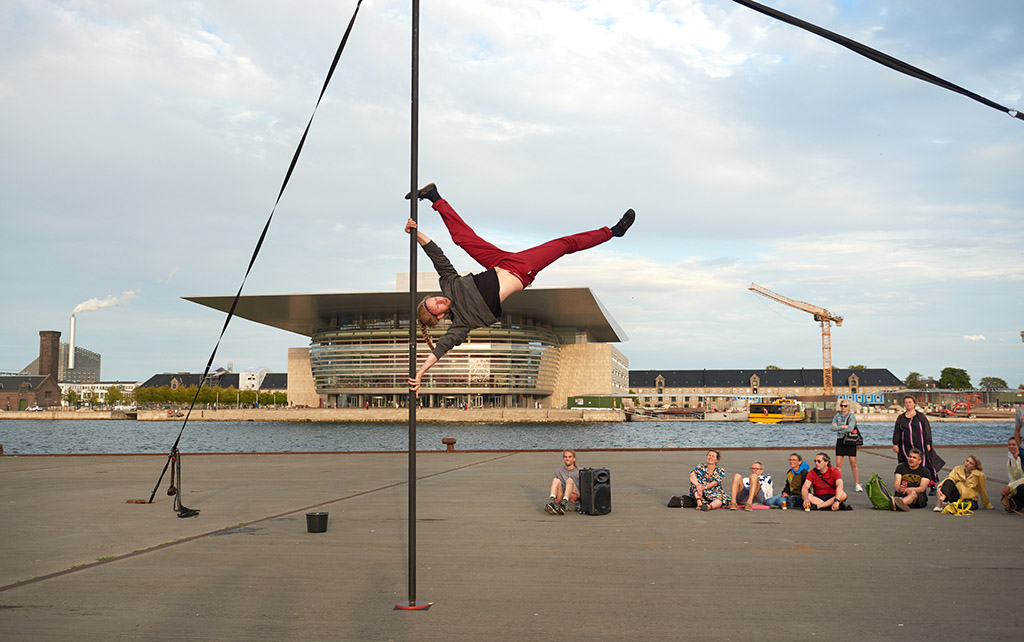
{"x": 821, "y": 315}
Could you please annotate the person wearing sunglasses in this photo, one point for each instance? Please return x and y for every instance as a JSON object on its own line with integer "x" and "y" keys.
{"x": 474, "y": 301}
{"x": 755, "y": 489}
{"x": 845, "y": 423}
{"x": 823, "y": 488}
{"x": 790, "y": 497}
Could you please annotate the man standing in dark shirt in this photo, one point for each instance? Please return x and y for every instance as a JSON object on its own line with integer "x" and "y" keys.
{"x": 911, "y": 483}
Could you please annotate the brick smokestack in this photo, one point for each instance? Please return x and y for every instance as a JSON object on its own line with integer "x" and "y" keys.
{"x": 49, "y": 353}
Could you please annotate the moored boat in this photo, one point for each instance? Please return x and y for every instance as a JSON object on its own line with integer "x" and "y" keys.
{"x": 664, "y": 414}
{"x": 778, "y": 410}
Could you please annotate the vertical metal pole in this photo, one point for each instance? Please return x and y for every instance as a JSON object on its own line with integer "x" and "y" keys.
{"x": 413, "y": 247}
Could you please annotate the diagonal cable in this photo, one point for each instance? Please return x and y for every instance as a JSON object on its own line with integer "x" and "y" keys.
{"x": 877, "y": 56}
{"x": 263, "y": 236}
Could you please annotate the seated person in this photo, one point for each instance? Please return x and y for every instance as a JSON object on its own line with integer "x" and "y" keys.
{"x": 823, "y": 487}
{"x": 795, "y": 477}
{"x": 965, "y": 483}
{"x": 565, "y": 485}
{"x": 706, "y": 483}
{"x": 1012, "y": 495}
{"x": 911, "y": 482}
{"x": 751, "y": 490}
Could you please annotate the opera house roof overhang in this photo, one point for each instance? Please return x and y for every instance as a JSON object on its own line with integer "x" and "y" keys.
{"x": 307, "y": 314}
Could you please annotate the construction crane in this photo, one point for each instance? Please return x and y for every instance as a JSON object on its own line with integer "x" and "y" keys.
{"x": 821, "y": 315}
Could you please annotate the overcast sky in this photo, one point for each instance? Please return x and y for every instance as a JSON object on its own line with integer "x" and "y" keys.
{"x": 144, "y": 143}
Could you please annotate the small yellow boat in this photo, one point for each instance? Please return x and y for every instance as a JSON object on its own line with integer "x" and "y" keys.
{"x": 778, "y": 410}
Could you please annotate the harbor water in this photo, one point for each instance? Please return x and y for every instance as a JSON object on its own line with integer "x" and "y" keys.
{"x": 23, "y": 437}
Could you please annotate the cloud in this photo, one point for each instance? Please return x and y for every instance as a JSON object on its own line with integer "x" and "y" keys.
{"x": 170, "y": 275}
{"x": 975, "y": 337}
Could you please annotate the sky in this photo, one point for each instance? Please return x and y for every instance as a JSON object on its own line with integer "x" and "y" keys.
{"x": 144, "y": 144}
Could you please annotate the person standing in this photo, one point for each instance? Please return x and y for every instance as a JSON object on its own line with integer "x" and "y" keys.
{"x": 912, "y": 430}
{"x": 845, "y": 423}
{"x": 1018, "y": 423}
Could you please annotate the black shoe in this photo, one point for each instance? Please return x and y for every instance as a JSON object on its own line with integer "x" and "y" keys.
{"x": 619, "y": 229}
{"x": 560, "y": 508}
{"x": 932, "y": 491}
{"x": 427, "y": 191}
{"x": 550, "y": 508}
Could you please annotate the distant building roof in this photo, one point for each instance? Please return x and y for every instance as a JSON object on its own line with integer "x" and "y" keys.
{"x": 223, "y": 379}
{"x": 275, "y": 381}
{"x": 784, "y": 378}
{"x": 13, "y": 382}
{"x": 308, "y": 313}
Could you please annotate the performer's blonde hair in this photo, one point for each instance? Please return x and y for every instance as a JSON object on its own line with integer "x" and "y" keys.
{"x": 426, "y": 320}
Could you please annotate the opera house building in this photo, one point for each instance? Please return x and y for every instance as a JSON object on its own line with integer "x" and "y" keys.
{"x": 549, "y": 344}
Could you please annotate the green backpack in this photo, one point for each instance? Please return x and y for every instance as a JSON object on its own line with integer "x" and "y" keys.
{"x": 878, "y": 493}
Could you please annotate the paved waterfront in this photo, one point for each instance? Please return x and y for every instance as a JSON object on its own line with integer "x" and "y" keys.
{"x": 494, "y": 564}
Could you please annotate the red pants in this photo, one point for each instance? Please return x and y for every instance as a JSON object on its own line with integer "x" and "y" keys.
{"x": 524, "y": 265}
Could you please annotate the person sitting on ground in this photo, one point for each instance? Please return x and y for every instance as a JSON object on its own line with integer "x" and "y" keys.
{"x": 964, "y": 483}
{"x": 751, "y": 490}
{"x": 706, "y": 483}
{"x": 911, "y": 482}
{"x": 795, "y": 477}
{"x": 474, "y": 301}
{"x": 1012, "y": 495}
{"x": 823, "y": 487}
{"x": 565, "y": 485}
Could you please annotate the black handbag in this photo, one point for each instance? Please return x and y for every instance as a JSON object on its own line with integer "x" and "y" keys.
{"x": 853, "y": 438}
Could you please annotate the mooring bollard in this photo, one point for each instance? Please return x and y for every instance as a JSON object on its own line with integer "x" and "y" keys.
{"x": 449, "y": 442}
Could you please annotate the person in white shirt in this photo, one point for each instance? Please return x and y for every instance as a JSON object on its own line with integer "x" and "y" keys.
{"x": 755, "y": 489}
{"x": 1012, "y": 494}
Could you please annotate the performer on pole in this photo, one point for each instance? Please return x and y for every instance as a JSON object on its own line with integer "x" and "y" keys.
{"x": 474, "y": 301}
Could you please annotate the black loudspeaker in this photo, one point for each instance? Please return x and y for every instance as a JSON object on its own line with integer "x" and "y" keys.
{"x": 595, "y": 491}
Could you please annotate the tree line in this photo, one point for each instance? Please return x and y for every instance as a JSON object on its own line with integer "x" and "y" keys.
{"x": 949, "y": 379}
{"x": 956, "y": 379}
{"x": 182, "y": 396}
{"x": 215, "y": 396}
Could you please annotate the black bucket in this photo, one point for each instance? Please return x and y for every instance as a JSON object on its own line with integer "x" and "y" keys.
{"x": 316, "y": 522}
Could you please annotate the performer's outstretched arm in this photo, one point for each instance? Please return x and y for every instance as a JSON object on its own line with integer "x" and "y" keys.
{"x": 414, "y": 382}
{"x": 421, "y": 238}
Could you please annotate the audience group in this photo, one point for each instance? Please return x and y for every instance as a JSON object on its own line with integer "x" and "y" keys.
{"x": 820, "y": 486}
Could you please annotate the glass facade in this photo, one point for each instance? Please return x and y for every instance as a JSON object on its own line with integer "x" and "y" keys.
{"x": 511, "y": 363}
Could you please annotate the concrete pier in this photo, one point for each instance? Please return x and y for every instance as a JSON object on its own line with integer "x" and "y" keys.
{"x": 80, "y": 563}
